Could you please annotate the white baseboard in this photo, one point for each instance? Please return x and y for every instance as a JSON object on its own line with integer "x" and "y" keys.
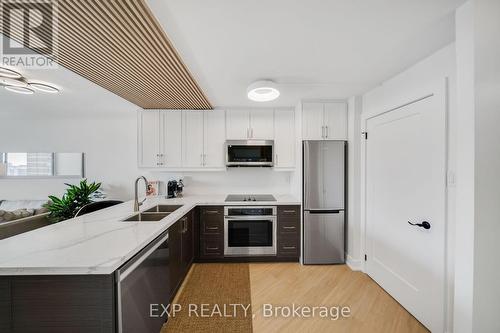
{"x": 354, "y": 264}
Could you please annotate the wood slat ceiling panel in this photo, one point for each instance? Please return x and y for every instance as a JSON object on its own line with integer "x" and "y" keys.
{"x": 119, "y": 45}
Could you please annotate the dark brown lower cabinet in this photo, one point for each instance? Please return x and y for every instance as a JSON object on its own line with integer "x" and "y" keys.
{"x": 53, "y": 304}
{"x": 181, "y": 236}
{"x": 211, "y": 233}
{"x": 288, "y": 232}
{"x": 210, "y": 236}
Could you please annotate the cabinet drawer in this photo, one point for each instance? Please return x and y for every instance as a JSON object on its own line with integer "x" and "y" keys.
{"x": 288, "y": 226}
{"x": 211, "y": 227}
{"x": 216, "y": 212}
{"x": 288, "y": 246}
{"x": 291, "y": 211}
{"x": 211, "y": 247}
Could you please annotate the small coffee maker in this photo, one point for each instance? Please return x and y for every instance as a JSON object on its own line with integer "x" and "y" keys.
{"x": 174, "y": 188}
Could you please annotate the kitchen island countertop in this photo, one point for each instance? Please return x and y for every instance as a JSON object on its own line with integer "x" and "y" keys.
{"x": 99, "y": 242}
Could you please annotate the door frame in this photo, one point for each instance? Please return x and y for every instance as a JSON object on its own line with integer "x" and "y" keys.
{"x": 413, "y": 94}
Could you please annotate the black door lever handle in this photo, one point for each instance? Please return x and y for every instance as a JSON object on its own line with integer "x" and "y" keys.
{"x": 424, "y": 224}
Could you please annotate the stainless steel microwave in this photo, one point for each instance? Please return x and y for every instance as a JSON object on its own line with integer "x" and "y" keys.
{"x": 249, "y": 153}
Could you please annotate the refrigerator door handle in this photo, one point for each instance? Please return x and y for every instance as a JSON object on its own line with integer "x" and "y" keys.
{"x": 324, "y": 211}
{"x": 305, "y": 172}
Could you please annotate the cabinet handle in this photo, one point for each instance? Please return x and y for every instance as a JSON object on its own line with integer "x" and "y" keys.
{"x": 184, "y": 225}
{"x": 326, "y": 127}
{"x": 289, "y": 247}
{"x": 276, "y": 159}
{"x": 212, "y": 228}
{"x": 288, "y": 227}
{"x": 289, "y": 211}
{"x": 322, "y": 132}
{"x": 212, "y": 248}
{"x": 211, "y": 212}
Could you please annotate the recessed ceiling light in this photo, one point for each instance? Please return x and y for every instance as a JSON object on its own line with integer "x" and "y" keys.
{"x": 5, "y": 72}
{"x": 44, "y": 87}
{"x": 20, "y": 90}
{"x": 263, "y": 91}
{"x": 7, "y": 81}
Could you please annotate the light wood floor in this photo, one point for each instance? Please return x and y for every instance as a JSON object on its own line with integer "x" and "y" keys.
{"x": 372, "y": 309}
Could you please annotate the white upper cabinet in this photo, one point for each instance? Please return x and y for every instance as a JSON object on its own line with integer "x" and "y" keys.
{"x": 312, "y": 121}
{"x": 324, "y": 121}
{"x": 171, "y": 148}
{"x": 193, "y": 139}
{"x": 335, "y": 121}
{"x": 284, "y": 138}
{"x": 245, "y": 124}
{"x": 149, "y": 138}
{"x": 261, "y": 124}
{"x": 238, "y": 124}
{"x": 214, "y": 139}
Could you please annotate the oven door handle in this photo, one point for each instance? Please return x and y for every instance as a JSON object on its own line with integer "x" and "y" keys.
{"x": 251, "y": 217}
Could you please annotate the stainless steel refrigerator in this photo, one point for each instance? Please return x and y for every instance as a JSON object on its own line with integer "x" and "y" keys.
{"x": 324, "y": 199}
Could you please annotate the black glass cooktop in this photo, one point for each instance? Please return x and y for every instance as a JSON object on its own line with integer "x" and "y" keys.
{"x": 250, "y": 197}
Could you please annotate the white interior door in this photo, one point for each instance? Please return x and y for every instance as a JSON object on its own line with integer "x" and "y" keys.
{"x": 149, "y": 139}
{"x": 193, "y": 139}
{"x": 172, "y": 139}
{"x": 215, "y": 137}
{"x": 405, "y": 181}
{"x": 262, "y": 124}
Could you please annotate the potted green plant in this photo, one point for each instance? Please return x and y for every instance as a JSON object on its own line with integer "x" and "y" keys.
{"x": 76, "y": 197}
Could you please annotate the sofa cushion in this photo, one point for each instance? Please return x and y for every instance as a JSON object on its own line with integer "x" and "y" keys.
{"x": 12, "y": 205}
{"x": 6, "y": 216}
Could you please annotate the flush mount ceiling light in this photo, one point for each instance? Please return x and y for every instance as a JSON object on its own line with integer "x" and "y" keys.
{"x": 44, "y": 87}
{"x": 5, "y": 72}
{"x": 263, "y": 91}
{"x": 20, "y": 90}
{"x": 7, "y": 81}
{"x": 15, "y": 82}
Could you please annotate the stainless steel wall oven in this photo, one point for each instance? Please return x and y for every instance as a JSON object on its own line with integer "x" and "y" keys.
{"x": 249, "y": 230}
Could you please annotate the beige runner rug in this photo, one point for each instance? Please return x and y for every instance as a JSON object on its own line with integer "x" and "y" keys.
{"x": 215, "y": 298}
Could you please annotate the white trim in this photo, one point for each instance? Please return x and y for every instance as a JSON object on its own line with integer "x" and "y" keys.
{"x": 354, "y": 264}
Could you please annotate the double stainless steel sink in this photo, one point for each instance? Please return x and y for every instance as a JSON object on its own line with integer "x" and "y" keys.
{"x": 153, "y": 214}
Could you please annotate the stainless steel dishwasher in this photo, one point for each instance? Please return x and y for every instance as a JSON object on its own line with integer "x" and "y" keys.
{"x": 143, "y": 281}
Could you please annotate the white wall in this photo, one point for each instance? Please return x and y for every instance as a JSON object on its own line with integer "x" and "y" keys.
{"x": 464, "y": 222}
{"x": 234, "y": 180}
{"x": 108, "y": 139}
{"x": 398, "y": 90}
{"x": 354, "y": 257}
{"x": 486, "y": 299}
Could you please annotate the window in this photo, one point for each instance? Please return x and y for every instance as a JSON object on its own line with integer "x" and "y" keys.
{"x": 41, "y": 164}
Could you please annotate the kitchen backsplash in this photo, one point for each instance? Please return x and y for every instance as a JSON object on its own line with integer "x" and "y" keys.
{"x": 236, "y": 180}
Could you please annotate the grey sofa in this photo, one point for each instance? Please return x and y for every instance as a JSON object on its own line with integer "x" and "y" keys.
{"x": 12, "y": 228}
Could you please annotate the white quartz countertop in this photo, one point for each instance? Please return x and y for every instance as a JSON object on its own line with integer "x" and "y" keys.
{"x": 98, "y": 243}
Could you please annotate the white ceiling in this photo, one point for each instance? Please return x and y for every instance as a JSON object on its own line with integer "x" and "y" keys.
{"x": 316, "y": 48}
